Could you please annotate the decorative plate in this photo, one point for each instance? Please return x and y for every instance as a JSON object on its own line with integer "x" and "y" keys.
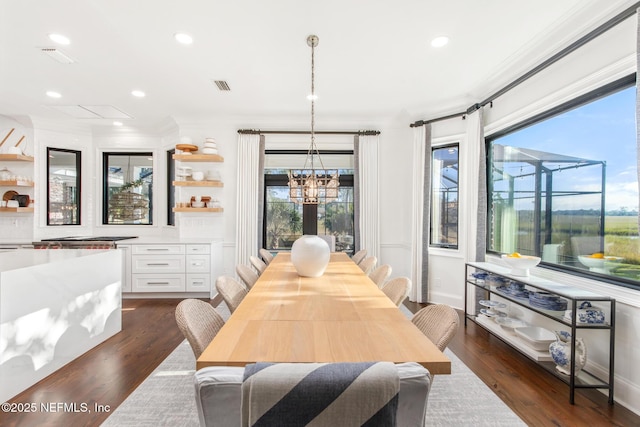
{"x": 490, "y": 313}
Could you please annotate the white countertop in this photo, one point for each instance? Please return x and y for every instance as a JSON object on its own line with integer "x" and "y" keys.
{"x": 153, "y": 240}
{"x": 24, "y": 258}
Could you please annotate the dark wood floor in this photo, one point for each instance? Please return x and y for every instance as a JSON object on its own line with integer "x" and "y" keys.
{"x": 107, "y": 374}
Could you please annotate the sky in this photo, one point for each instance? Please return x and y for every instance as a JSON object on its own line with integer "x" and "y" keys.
{"x": 603, "y": 130}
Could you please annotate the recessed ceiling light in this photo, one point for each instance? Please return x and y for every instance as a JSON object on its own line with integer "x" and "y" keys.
{"x": 440, "y": 41}
{"x": 53, "y": 94}
{"x": 117, "y": 123}
{"x": 183, "y": 38}
{"x": 59, "y": 38}
{"x": 138, "y": 93}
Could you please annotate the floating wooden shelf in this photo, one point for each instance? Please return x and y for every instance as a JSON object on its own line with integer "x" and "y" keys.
{"x": 198, "y": 158}
{"x": 15, "y": 183}
{"x": 19, "y": 210}
{"x": 198, "y": 183}
{"x": 198, "y": 209}
{"x": 15, "y": 158}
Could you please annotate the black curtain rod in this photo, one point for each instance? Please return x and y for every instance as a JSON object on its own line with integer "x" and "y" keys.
{"x": 630, "y": 11}
{"x": 306, "y": 132}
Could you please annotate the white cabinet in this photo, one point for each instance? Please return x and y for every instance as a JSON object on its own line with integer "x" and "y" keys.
{"x": 164, "y": 268}
{"x": 198, "y": 268}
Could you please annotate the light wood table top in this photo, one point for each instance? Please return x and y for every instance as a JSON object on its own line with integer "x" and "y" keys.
{"x": 339, "y": 317}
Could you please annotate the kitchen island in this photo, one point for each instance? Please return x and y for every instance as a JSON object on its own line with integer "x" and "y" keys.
{"x": 55, "y": 305}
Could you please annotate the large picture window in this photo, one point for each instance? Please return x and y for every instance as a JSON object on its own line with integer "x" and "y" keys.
{"x": 444, "y": 196}
{"x": 128, "y": 188}
{"x": 285, "y": 221}
{"x": 564, "y": 187}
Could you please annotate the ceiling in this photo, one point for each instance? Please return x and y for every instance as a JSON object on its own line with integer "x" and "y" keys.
{"x": 374, "y": 58}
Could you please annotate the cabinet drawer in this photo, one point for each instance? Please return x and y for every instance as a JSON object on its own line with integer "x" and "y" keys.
{"x": 157, "y": 264}
{"x": 198, "y": 249}
{"x": 198, "y": 282}
{"x": 198, "y": 263}
{"x": 158, "y": 283}
{"x": 158, "y": 249}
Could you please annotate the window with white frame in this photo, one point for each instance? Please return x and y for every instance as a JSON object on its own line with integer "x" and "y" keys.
{"x": 564, "y": 186}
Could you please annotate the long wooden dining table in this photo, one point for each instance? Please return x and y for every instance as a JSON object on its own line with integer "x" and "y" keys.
{"x": 341, "y": 316}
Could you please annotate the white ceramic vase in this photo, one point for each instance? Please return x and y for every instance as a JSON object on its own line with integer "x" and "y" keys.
{"x": 310, "y": 256}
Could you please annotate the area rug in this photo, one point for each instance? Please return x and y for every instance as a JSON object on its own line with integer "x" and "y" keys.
{"x": 166, "y": 397}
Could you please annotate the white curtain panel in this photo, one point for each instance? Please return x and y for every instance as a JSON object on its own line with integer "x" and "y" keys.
{"x": 477, "y": 202}
{"x": 247, "y": 203}
{"x": 419, "y": 252}
{"x": 368, "y": 168}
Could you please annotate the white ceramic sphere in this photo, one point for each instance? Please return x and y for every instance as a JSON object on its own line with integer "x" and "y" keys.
{"x": 310, "y": 256}
{"x": 197, "y": 176}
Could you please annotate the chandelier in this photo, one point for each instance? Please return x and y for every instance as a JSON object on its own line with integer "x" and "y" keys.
{"x": 312, "y": 185}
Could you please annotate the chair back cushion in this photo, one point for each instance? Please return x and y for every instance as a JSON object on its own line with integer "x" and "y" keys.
{"x": 321, "y": 394}
{"x": 218, "y": 391}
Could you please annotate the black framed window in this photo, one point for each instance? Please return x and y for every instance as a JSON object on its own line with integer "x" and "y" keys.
{"x": 444, "y": 196}
{"x": 127, "y": 188}
{"x": 285, "y": 221}
{"x": 563, "y": 186}
{"x": 63, "y": 186}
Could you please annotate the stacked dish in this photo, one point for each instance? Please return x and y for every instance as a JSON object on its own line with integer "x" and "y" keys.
{"x": 515, "y": 290}
{"x": 492, "y": 308}
{"x": 548, "y": 302}
{"x": 210, "y": 146}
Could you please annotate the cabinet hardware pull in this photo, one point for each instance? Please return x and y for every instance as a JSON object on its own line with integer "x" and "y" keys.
{"x": 158, "y": 283}
{"x": 157, "y": 249}
{"x": 158, "y": 263}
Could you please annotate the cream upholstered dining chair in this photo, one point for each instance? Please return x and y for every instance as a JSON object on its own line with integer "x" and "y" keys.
{"x": 267, "y": 256}
{"x": 258, "y": 264}
{"x": 396, "y": 289}
{"x": 439, "y": 322}
{"x": 219, "y": 395}
{"x": 367, "y": 264}
{"x": 359, "y": 256}
{"x": 232, "y": 291}
{"x": 380, "y": 274}
{"x": 199, "y": 322}
{"x": 248, "y": 276}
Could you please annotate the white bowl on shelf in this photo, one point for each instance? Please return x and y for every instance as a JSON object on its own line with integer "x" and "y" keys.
{"x": 197, "y": 175}
{"x": 197, "y": 204}
{"x": 520, "y": 264}
{"x": 536, "y": 337}
{"x": 208, "y": 150}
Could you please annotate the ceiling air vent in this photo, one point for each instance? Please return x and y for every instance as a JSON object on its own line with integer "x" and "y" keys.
{"x": 57, "y": 54}
{"x": 222, "y": 85}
